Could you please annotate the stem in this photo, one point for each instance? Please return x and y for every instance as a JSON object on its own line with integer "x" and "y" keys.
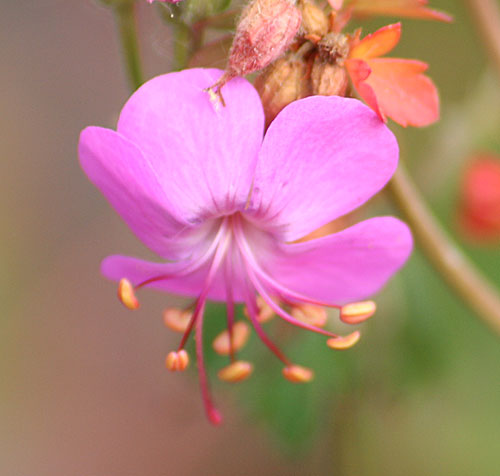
{"x": 487, "y": 16}
{"x": 461, "y": 274}
{"x": 127, "y": 28}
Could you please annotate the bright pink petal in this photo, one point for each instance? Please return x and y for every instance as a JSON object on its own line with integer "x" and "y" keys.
{"x": 203, "y": 153}
{"x": 321, "y": 158}
{"x": 346, "y": 266}
{"x": 137, "y": 271}
{"x": 127, "y": 179}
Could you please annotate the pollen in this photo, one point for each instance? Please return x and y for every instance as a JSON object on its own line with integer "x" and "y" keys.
{"x": 126, "y": 294}
{"x": 265, "y": 311}
{"x": 310, "y": 314}
{"x": 240, "y": 334}
{"x": 357, "y": 312}
{"x": 177, "y": 319}
{"x": 298, "y": 374}
{"x": 344, "y": 342}
{"x": 177, "y": 361}
{"x": 236, "y": 372}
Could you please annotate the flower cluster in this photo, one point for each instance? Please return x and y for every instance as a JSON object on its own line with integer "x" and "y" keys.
{"x": 222, "y": 205}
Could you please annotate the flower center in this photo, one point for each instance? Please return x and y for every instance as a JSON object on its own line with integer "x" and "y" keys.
{"x": 236, "y": 255}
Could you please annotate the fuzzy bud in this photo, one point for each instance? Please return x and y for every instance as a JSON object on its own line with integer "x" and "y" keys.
{"x": 328, "y": 79}
{"x": 314, "y": 20}
{"x": 265, "y": 30}
{"x": 282, "y": 83}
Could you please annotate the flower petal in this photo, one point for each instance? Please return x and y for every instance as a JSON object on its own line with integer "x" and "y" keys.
{"x": 202, "y": 152}
{"x": 378, "y": 43}
{"x": 175, "y": 281}
{"x": 399, "y": 8}
{"x": 118, "y": 168}
{"x": 402, "y": 92}
{"x": 321, "y": 158}
{"x": 346, "y": 266}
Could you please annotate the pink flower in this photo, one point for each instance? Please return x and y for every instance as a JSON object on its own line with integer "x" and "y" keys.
{"x": 202, "y": 188}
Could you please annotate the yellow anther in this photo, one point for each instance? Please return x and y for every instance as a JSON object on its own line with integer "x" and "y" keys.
{"x": 357, "y": 312}
{"x": 177, "y": 361}
{"x": 177, "y": 319}
{"x": 344, "y": 342}
{"x": 222, "y": 344}
{"x": 235, "y": 372}
{"x": 265, "y": 312}
{"x": 298, "y": 374}
{"x": 126, "y": 294}
{"x": 310, "y": 314}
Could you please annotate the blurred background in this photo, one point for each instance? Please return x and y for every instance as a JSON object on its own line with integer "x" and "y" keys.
{"x": 83, "y": 389}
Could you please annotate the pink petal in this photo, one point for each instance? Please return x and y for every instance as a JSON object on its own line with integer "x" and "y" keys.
{"x": 137, "y": 271}
{"x": 204, "y": 154}
{"x": 346, "y": 266}
{"x": 127, "y": 179}
{"x": 321, "y": 158}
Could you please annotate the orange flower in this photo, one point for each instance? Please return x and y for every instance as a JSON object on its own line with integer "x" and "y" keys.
{"x": 398, "y": 8}
{"x": 393, "y": 87}
{"x": 479, "y": 211}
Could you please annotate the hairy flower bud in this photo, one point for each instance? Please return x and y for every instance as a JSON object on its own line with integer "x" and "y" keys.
{"x": 328, "y": 79}
{"x": 314, "y": 20}
{"x": 265, "y": 30}
{"x": 282, "y": 83}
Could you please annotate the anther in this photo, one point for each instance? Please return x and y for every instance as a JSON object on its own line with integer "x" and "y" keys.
{"x": 177, "y": 319}
{"x": 235, "y": 372}
{"x": 344, "y": 342}
{"x": 126, "y": 294}
{"x": 240, "y": 332}
{"x": 265, "y": 313}
{"x": 357, "y": 312}
{"x": 310, "y": 314}
{"x": 177, "y": 361}
{"x": 298, "y": 374}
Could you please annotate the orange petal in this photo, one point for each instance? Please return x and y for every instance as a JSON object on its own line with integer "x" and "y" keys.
{"x": 359, "y": 72}
{"x": 378, "y": 43}
{"x": 399, "y": 8}
{"x": 402, "y": 92}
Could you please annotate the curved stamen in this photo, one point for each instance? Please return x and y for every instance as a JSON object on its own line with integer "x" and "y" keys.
{"x": 286, "y": 292}
{"x": 212, "y": 413}
{"x": 249, "y": 262}
{"x": 220, "y": 253}
{"x": 228, "y": 278}
{"x": 252, "y": 313}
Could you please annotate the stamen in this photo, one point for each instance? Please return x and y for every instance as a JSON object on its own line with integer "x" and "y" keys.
{"x": 298, "y": 374}
{"x": 265, "y": 313}
{"x": 177, "y": 319}
{"x": 236, "y": 371}
{"x": 212, "y": 413}
{"x": 177, "y": 361}
{"x": 126, "y": 294}
{"x": 357, "y": 312}
{"x": 251, "y": 306}
{"x": 344, "y": 342}
{"x": 222, "y": 343}
{"x": 310, "y": 314}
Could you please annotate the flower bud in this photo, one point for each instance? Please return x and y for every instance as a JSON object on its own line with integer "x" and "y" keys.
{"x": 265, "y": 30}
{"x": 328, "y": 79}
{"x": 314, "y": 20}
{"x": 282, "y": 83}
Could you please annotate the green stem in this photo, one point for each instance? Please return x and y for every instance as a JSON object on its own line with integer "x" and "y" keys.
{"x": 487, "y": 16}
{"x": 127, "y": 28}
{"x": 459, "y": 272}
